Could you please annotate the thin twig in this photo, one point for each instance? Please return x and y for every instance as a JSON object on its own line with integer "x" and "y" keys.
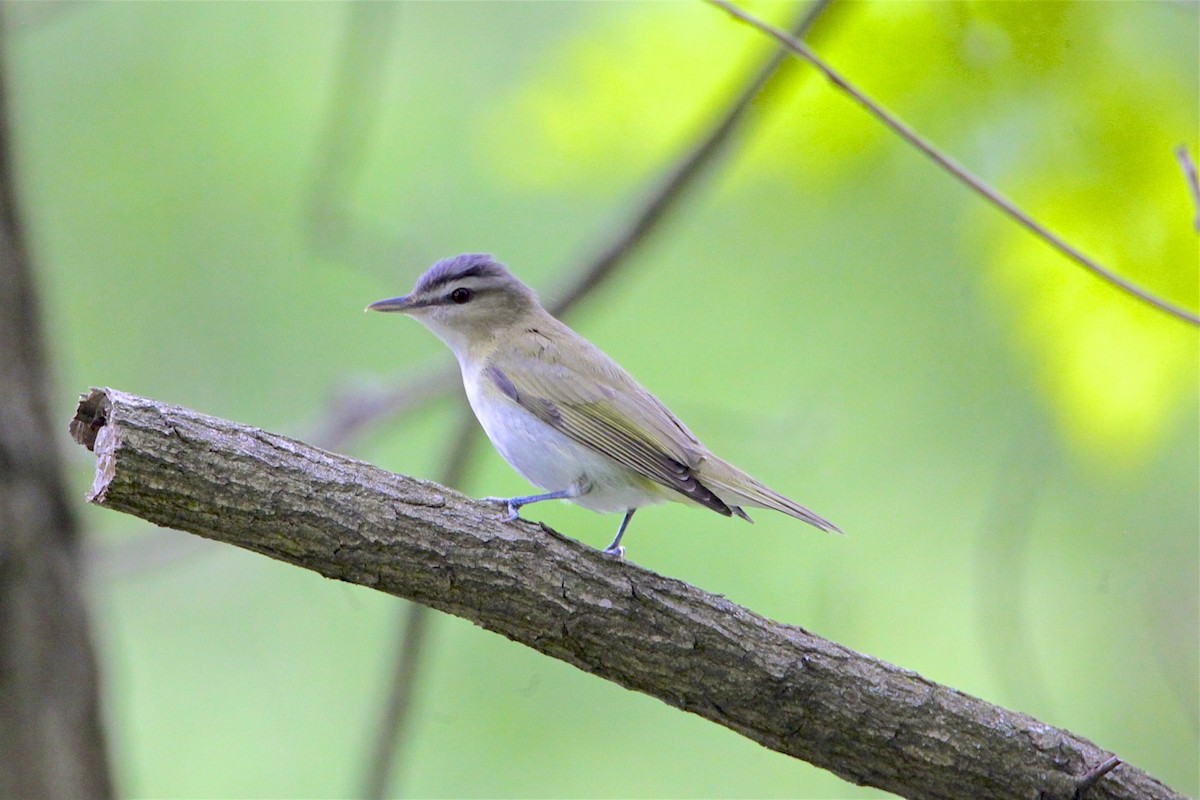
{"x": 1189, "y": 174}
{"x": 1093, "y": 776}
{"x": 955, "y": 169}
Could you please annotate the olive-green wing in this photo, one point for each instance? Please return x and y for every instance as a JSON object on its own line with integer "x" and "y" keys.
{"x": 597, "y": 404}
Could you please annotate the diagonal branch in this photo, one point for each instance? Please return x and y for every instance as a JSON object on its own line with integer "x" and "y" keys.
{"x": 868, "y": 721}
{"x": 353, "y": 412}
{"x": 1189, "y": 175}
{"x": 954, "y": 168}
{"x": 681, "y": 176}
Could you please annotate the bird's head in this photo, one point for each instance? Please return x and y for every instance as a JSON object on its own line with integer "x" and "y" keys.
{"x": 466, "y": 300}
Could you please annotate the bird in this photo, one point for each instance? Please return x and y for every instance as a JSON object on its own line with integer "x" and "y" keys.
{"x": 565, "y": 415}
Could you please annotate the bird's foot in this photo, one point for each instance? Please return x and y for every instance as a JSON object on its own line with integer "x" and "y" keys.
{"x": 510, "y": 508}
{"x": 617, "y": 552}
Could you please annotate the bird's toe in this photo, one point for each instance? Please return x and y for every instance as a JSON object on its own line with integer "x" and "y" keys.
{"x": 510, "y": 508}
{"x": 617, "y": 552}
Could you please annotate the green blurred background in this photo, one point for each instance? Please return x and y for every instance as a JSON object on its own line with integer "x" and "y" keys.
{"x": 1010, "y": 445}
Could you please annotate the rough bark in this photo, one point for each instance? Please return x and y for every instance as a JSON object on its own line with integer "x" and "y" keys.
{"x": 51, "y": 738}
{"x": 867, "y": 721}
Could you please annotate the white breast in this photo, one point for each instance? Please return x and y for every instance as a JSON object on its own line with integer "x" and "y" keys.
{"x": 550, "y": 459}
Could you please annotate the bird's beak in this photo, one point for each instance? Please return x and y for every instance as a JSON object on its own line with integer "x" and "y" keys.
{"x": 393, "y": 304}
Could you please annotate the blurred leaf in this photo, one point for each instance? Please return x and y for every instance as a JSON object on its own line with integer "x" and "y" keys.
{"x": 622, "y": 95}
{"x": 1115, "y": 372}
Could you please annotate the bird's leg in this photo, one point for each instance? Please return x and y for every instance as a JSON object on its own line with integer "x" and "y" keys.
{"x": 513, "y": 504}
{"x": 615, "y": 549}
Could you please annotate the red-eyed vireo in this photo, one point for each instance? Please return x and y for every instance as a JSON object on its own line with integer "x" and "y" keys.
{"x": 564, "y": 414}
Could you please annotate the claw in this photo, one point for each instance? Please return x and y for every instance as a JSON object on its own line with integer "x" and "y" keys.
{"x": 510, "y": 507}
{"x": 617, "y": 552}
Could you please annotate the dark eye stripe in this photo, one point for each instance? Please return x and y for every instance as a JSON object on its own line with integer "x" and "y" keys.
{"x": 468, "y": 265}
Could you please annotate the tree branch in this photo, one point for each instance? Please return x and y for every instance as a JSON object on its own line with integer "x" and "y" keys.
{"x": 957, "y": 170}
{"x": 779, "y": 685}
{"x": 388, "y": 743}
{"x": 1193, "y": 181}
{"x": 52, "y": 739}
{"x": 681, "y": 176}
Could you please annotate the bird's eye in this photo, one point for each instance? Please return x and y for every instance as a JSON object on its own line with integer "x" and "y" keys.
{"x": 461, "y": 295}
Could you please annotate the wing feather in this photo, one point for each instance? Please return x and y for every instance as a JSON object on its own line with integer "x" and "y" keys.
{"x": 597, "y": 404}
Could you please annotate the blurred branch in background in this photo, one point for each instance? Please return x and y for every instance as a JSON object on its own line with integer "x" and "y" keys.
{"x": 681, "y": 176}
{"x": 395, "y": 723}
{"x": 1002, "y": 579}
{"x": 353, "y": 412}
{"x": 356, "y": 99}
{"x": 358, "y": 85}
{"x": 955, "y": 169}
{"x": 798, "y": 694}
{"x": 52, "y": 741}
{"x": 1193, "y": 182}
{"x": 356, "y": 102}
{"x": 351, "y": 415}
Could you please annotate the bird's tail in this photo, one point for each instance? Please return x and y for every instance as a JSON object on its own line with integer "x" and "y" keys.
{"x": 736, "y": 488}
